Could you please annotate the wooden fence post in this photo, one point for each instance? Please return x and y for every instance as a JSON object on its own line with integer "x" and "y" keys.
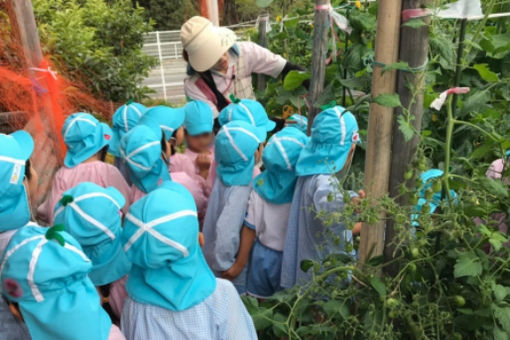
{"x": 45, "y": 156}
{"x": 414, "y": 48}
{"x": 320, "y": 49}
{"x": 263, "y": 22}
{"x": 380, "y": 123}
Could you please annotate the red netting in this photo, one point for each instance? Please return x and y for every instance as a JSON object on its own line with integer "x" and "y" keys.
{"x": 43, "y": 95}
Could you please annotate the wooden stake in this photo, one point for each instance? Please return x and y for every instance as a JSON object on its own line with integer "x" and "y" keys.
{"x": 414, "y": 47}
{"x": 320, "y": 49}
{"x": 380, "y": 123}
{"x": 264, "y": 17}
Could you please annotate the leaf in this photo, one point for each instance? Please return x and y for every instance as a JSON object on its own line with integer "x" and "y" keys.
{"x": 468, "y": 264}
{"x": 306, "y": 265}
{"x": 486, "y": 74}
{"x": 334, "y": 307}
{"x": 415, "y": 23}
{"x": 294, "y": 79}
{"x": 495, "y": 187}
{"x": 502, "y": 314}
{"x": 388, "y": 100}
{"x": 263, "y": 3}
{"x": 405, "y": 127}
{"x": 379, "y": 286}
{"x": 499, "y": 334}
{"x": 499, "y": 291}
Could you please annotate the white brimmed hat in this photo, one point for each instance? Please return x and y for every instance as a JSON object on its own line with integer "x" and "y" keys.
{"x": 205, "y": 43}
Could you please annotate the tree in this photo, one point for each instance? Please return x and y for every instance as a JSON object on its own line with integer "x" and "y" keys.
{"x": 168, "y": 15}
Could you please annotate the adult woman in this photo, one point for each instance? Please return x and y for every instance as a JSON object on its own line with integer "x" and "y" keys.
{"x": 219, "y": 67}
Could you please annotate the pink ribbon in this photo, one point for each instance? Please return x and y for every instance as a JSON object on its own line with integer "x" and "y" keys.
{"x": 415, "y": 13}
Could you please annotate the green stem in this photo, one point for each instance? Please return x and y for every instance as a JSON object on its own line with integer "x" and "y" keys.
{"x": 449, "y": 134}
{"x": 476, "y": 127}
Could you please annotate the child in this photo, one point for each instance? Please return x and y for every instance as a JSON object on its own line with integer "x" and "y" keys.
{"x": 170, "y": 120}
{"x": 498, "y": 167}
{"x": 147, "y": 152}
{"x": 237, "y": 149}
{"x": 250, "y": 111}
{"x": 18, "y": 180}
{"x": 328, "y": 154}
{"x": 172, "y": 292}
{"x": 92, "y": 215}
{"x": 268, "y": 210}
{"x": 44, "y": 273}
{"x": 298, "y": 121}
{"x": 197, "y": 158}
{"x": 124, "y": 119}
{"x": 87, "y": 142}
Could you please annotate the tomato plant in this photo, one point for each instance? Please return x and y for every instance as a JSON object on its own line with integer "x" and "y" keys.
{"x": 452, "y": 280}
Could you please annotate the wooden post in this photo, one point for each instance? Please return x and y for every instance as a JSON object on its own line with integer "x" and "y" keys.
{"x": 320, "y": 49}
{"x": 380, "y": 123}
{"x": 45, "y": 156}
{"x": 414, "y": 47}
{"x": 263, "y": 19}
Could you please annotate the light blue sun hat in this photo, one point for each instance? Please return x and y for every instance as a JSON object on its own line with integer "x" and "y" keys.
{"x": 161, "y": 239}
{"x": 15, "y": 150}
{"x": 84, "y": 136}
{"x": 199, "y": 118}
{"x": 250, "y": 111}
{"x": 427, "y": 179}
{"x": 298, "y": 121}
{"x": 141, "y": 149}
{"x": 334, "y": 131}
{"x": 45, "y": 271}
{"x": 235, "y": 147}
{"x": 276, "y": 184}
{"x": 168, "y": 118}
{"x": 98, "y": 230}
{"x": 124, "y": 119}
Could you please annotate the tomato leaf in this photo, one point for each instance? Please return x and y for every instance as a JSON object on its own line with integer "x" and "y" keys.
{"x": 468, "y": 264}
{"x": 294, "y": 79}
{"x": 388, "y": 100}
{"x": 486, "y": 74}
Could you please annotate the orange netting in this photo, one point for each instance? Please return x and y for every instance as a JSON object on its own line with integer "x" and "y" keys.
{"x": 45, "y": 96}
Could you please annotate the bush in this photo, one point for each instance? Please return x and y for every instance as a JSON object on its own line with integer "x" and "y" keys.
{"x": 98, "y": 44}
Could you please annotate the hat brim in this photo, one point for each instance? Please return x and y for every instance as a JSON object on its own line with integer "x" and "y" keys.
{"x": 71, "y": 160}
{"x": 270, "y": 126}
{"x": 25, "y": 142}
{"x": 318, "y": 159}
{"x": 114, "y": 148}
{"x": 199, "y": 129}
{"x": 210, "y": 46}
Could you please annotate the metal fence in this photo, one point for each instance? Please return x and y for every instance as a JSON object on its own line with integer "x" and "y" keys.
{"x": 167, "y": 78}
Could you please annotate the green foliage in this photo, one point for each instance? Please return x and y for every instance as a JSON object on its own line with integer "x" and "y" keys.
{"x": 168, "y": 15}
{"x": 451, "y": 279}
{"x": 97, "y": 43}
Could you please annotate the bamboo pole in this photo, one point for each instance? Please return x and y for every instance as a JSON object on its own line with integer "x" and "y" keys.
{"x": 380, "y": 124}
{"x": 320, "y": 50}
{"x": 263, "y": 19}
{"x": 414, "y": 47}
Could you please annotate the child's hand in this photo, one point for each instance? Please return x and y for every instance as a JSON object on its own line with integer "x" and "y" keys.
{"x": 232, "y": 272}
{"x": 356, "y": 201}
{"x": 203, "y": 163}
{"x": 201, "y": 239}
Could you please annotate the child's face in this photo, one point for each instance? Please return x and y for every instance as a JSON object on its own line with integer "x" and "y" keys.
{"x": 199, "y": 143}
{"x": 258, "y": 153}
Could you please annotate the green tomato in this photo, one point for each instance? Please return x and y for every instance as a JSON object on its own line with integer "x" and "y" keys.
{"x": 422, "y": 165}
{"x": 408, "y": 175}
{"x": 413, "y": 200}
{"x": 392, "y": 303}
{"x": 459, "y": 300}
{"x": 392, "y": 314}
{"x": 429, "y": 194}
{"x": 436, "y": 187}
{"x": 415, "y": 252}
{"x": 400, "y": 218}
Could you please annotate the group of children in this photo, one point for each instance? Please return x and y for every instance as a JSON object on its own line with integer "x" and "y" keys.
{"x": 163, "y": 242}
